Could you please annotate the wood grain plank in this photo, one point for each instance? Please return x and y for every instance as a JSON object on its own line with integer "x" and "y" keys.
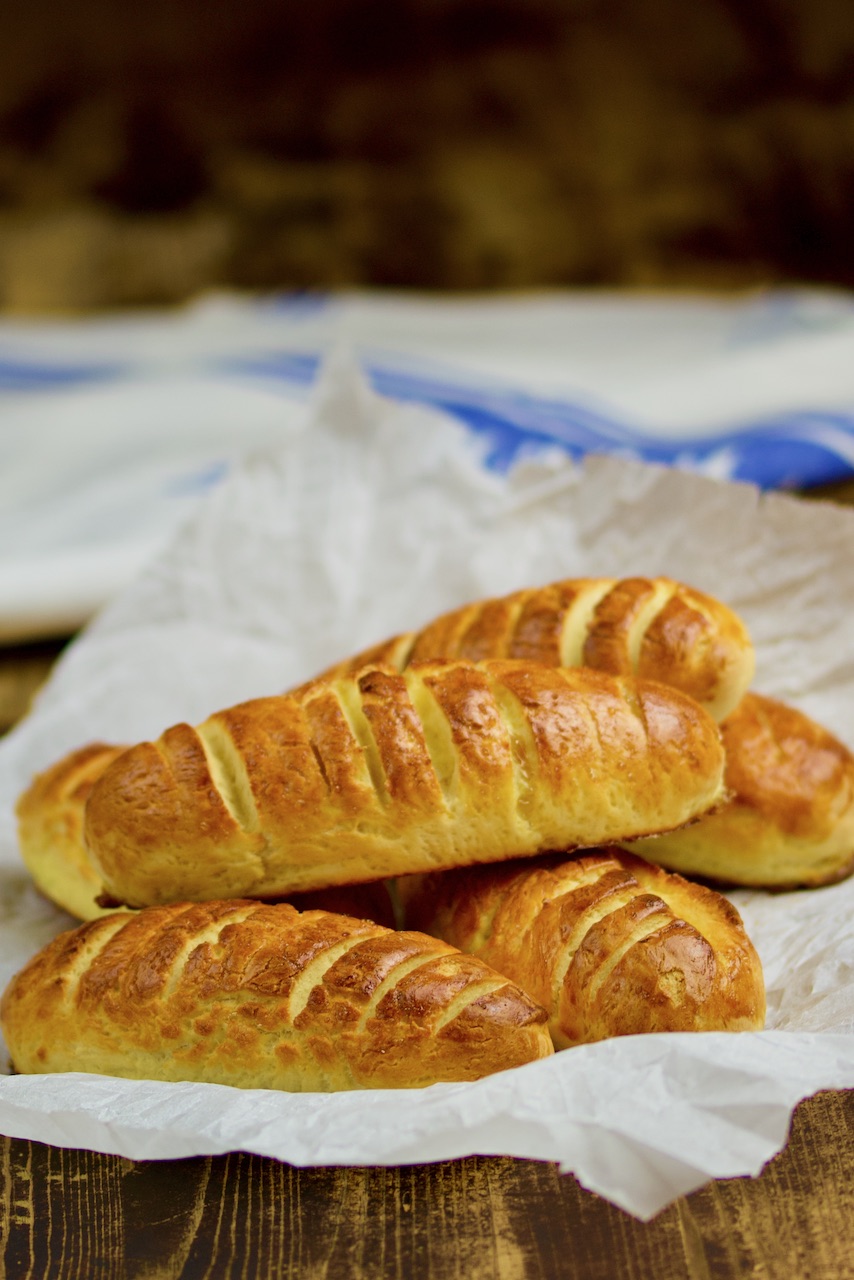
{"x": 23, "y": 670}
{"x": 70, "y": 1215}
{"x": 162, "y": 1208}
{"x": 62, "y": 1215}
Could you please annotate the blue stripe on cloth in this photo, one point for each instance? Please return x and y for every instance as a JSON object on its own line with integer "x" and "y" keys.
{"x": 296, "y": 304}
{"x": 30, "y": 375}
{"x": 786, "y": 450}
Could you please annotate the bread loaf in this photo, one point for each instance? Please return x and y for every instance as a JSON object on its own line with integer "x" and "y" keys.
{"x": 265, "y": 997}
{"x": 384, "y": 773}
{"x": 789, "y": 821}
{"x": 609, "y": 944}
{"x": 650, "y": 627}
{"x": 371, "y": 901}
{"x": 50, "y": 835}
{"x": 50, "y": 829}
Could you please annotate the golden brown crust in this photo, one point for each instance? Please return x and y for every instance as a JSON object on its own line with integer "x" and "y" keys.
{"x": 650, "y": 627}
{"x": 263, "y": 996}
{"x": 50, "y": 829}
{"x": 609, "y": 944}
{"x": 790, "y": 819}
{"x": 50, "y": 832}
{"x": 384, "y": 773}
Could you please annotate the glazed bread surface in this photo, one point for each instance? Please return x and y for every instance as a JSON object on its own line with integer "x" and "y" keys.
{"x": 650, "y": 627}
{"x": 789, "y": 821}
{"x": 357, "y": 778}
{"x": 50, "y": 836}
{"x": 609, "y": 944}
{"x": 50, "y": 829}
{"x": 265, "y": 997}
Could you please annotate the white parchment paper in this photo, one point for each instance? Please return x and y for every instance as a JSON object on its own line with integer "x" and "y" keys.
{"x": 371, "y": 519}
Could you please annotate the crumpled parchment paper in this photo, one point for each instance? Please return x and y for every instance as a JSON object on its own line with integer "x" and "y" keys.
{"x": 371, "y": 519}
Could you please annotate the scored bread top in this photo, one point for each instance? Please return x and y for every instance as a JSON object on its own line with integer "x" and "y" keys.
{"x": 50, "y": 837}
{"x": 650, "y": 627}
{"x": 789, "y": 820}
{"x": 263, "y": 996}
{"x": 385, "y": 773}
{"x": 609, "y": 944}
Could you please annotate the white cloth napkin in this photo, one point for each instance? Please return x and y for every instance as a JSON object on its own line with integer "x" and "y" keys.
{"x": 111, "y": 429}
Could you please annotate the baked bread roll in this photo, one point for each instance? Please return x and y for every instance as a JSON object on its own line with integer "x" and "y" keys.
{"x": 50, "y": 829}
{"x": 649, "y": 627}
{"x": 790, "y": 819}
{"x": 609, "y": 944}
{"x": 363, "y": 777}
{"x": 50, "y": 835}
{"x": 372, "y": 901}
{"x": 265, "y": 997}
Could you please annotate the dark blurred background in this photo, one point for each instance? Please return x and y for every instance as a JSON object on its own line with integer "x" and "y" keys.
{"x": 154, "y": 150}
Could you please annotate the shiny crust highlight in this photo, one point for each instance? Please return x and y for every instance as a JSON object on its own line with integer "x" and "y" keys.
{"x": 265, "y": 997}
{"x": 650, "y": 627}
{"x": 607, "y": 943}
{"x": 789, "y": 821}
{"x": 385, "y": 773}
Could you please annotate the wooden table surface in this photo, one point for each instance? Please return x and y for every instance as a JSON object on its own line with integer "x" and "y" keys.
{"x": 76, "y": 1215}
